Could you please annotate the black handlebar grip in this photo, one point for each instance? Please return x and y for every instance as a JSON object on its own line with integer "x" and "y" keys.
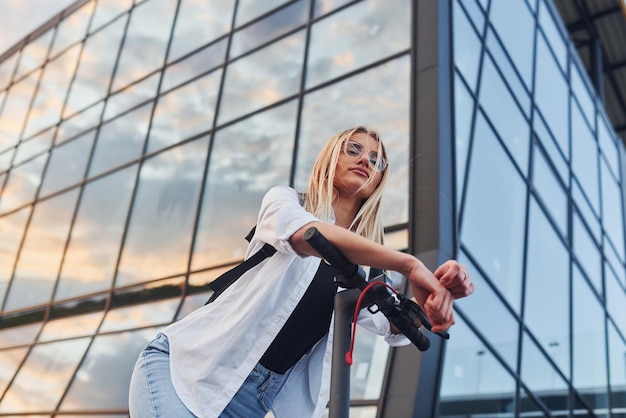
{"x": 329, "y": 252}
{"x": 413, "y": 334}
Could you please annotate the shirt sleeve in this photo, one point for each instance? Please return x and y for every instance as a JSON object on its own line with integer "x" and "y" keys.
{"x": 379, "y": 324}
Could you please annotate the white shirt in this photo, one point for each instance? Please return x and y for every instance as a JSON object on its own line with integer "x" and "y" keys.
{"x": 213, "y": 349}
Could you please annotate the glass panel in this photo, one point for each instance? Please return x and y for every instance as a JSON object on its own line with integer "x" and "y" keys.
{"x": 79, "y": 123}
{"x": 41, "y": 254}
{"x": 547, "y": 281}
{"x": 551, "y": 148}
{"x": 50, "y": 366}
{"x": 585, "y": 211}
{"x": 551, "y": 95}
{"x": 22, "y": 184}
{"x": 357, "y": 36}
{"x": 553, "y": 34}
{"x": 184, "y": 112}
{"x": 608, "y": 145}
{"x": 72, "y": 28}
{"x": 585, "y": 158}
{"x": 146, "y": 41}
{"x": 528, "y": 407}
{"x": 505, "y": 115}
{"x": 249, "y": 9}
{"x": 612, "y": 209}
{"x": 588, "y": 254}
{"x": 46, "y": 109}
{"x": 589, "y": 374}
{"x": 550, "y": 191}
{"x": 271, "y": 27}
{"x": 107, "y": 10}
{"x": 132, "y": 96}
{"x": 11, "y": 233}
{"x": 493, "y": 221}
{"x": 542, "y": 378}
{"x": 617, "y": 368}
{"x": 7, "y": 68}
{"x": 121, "y": 140}
{"x": 71, "y": 327}
{"x": 10, "y": 360}
{"x": 95, "y": 69}
{"x": 20, "y": 335}
{"x": 94, "y": 246}
{"x": 515, "y": 26}
{"x": 585, "y": 99}
{"x": 473, "y": 379}
{"x": 206, "y": 59}
{"x": 67, "y": 164}
{"x": 246, "y": 160}
{"x": 486, "y": 310}
{"x": 475, "y": 13}
{"x": 323, "y": 7}
{"x": 263, "y": 78}
{"x": 34, "y": 54}
{"x": 137, "y": 316}
{"x": 15, "y": 109}
{"x": 198, "y": 23}
{"x": 463, "y": 111}
{"x": 348, "y": 103}
{"x": 159, "y": 235}
{"x": 108, "y": 364}
{"x": 615, "y": 301}
{"x": 5, "y": 159}
{"x": 34, "y": 146}
{"x": 467, "y": 47}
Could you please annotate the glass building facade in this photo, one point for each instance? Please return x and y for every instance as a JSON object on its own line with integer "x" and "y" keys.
{"x": 138, "y": 137}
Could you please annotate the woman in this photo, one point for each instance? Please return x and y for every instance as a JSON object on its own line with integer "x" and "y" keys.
{"x": 266, "y": 342}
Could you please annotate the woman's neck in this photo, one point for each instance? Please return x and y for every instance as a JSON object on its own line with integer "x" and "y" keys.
{"x": 345, "y": 211}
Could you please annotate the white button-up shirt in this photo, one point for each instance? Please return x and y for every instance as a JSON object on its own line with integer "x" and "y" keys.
{"x": 213, "y": 349}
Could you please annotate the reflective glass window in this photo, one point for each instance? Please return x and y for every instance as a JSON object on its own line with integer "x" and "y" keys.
{"x": 184, "y": 112}
{"x": 587, "y": 253}
{"x": 47, "y": 365}
{"x": 541, "y": 377}
{"x": 198, "y": 23}
{"x": 93, "y": 249}
{"x": 70, "y": 327}
{"x": 505, "y": 115}
{"x": 617, "y": 365}
{"x": 194, "y": 65}
{"x": 583, "y": 95}
{"x": 246, "y": 160}
{"x": 585, "y": 211}
{"x": 19, "y": 335}
{"x": 589, "y": 374}
{"x": 31, "y": 147}
{"x": 467, "y": 46}
{"x": 472, "y": 373}
{"x": 107, "y": 10}
{"x": 493, "y": 220}
{"x": 349, "y": 103}
{"x": 463, "y": 111}
{"x": 263, "y": 78}
{"x": 108, "y": 364}
{"x": 79, "y": 123}
{"x": 486, "y": 310}
{"x": 612, "y": 209}
{"x": 121, "y": 140}
{"x": 95, "y": 69}
{"x": 67, "y": 164}
{"x": 132, "y": 96}
{"x": 547, "y": 284}
{"x": 475, "y": 13}
{"x": 15, "y": 110}
{"x": 10, "y": 360}
{"x": 250, "y": 9}
{"x": 552, "y": 95}
{"x": 40, "y": 257}
{"x": 34, "y": 54}
{"x": 551, "y": 148}
{"x": 6, "y": 158}
{"x": 608, "y": 144}
{"x": 550, "y": 191}
{"x": 615, "y": 300}
{"x": 11, "y": 233}
{"x": 46, "y": 109}
{"x": 615, "y": 263}
{"x": 515, "y": 26}
{"x": 146, "y": 41}
{"x": 270, "y": 27}
{"x": 585, "y": 158}
{"x": 72, "y": 28}
{"x": 357, "y": 36}
{"x": 159, "y": 236}
{"x": 553, "y": 34}
{"x": 7, "y": 68}
{"x": 137, "y": 316}
{"x": 528, "y": 407}
{"x": 325, "y": 6}
{"x": 22, "y": 184}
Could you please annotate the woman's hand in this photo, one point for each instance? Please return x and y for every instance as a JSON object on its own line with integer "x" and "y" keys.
{"x": 454, "y": 277}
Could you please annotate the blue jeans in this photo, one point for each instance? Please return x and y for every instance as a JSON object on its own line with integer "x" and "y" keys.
{"x": 152, "y": 394}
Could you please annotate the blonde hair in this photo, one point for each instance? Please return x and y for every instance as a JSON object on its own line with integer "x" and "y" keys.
{"x": 321, "y": 193}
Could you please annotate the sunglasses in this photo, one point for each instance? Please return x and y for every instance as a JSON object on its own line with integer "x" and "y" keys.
{"x": 354, "y": 149}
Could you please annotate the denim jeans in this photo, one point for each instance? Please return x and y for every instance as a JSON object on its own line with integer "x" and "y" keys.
{"x": 152, "y": 393}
